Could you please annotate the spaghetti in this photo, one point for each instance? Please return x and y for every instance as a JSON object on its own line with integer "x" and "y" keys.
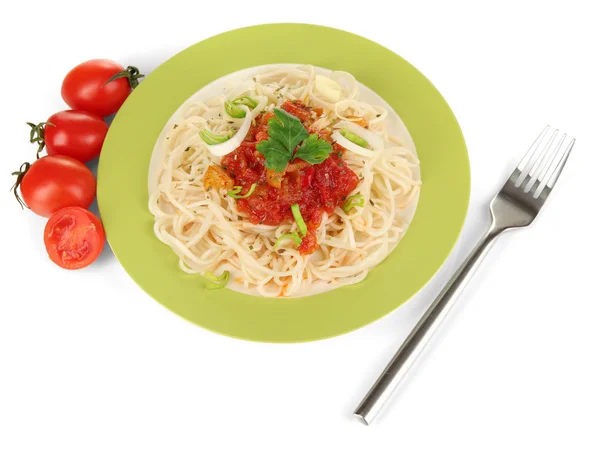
{"x": 216, "y": 227}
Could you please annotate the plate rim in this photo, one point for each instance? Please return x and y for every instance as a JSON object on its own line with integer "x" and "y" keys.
{"x": 104, "y": 190}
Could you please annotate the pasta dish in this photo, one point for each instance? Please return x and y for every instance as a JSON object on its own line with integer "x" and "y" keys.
{"x": 284, "y": 184}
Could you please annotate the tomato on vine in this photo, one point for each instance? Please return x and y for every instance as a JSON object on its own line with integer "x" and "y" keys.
{"x": 74, "y": 133}
{"x": 99, "y": 86}
{"x": 53, "y": 182}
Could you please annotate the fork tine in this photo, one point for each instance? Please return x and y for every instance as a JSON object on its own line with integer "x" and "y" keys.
{"x": 528, "y": 155}
{"x": 541, "y": 166}
{"x": 561, "y": 164}
{"x": 539, "y": 161}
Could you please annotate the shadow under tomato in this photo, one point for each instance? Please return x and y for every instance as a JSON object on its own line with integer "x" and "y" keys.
{"x": 107, "y": 254}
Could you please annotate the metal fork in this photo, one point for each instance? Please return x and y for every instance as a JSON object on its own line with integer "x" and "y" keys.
{"x": 515, "y": 206}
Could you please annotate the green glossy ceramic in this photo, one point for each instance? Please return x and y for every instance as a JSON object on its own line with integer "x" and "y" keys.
{"x": 123, "y": 176}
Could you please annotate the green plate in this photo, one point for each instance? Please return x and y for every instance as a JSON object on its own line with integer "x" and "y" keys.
{"x": 123, "y": 184}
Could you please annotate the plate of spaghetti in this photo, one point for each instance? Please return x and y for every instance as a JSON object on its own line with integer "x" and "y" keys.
{"x": 288, "y": 192}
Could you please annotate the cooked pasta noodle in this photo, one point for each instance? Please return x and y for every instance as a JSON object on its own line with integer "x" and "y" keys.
{"x": 210, "y": 233}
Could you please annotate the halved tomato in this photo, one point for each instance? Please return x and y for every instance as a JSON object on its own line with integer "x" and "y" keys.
{"x": 74, "y": 238}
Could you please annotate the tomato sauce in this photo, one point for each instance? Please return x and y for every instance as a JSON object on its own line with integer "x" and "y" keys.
{"x": 315, "y": 188}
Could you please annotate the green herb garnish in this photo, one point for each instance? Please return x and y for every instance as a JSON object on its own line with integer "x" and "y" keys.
{"x": 233, "y": 111}
{"x": 299, "y": 220}
{"x": 292, "y": 235}
{"x": 354, "y": 138}
{"x": 213, "y": 138}
{"x": 235, "y": 192}
{"x": 245, "y": 100}
{"x": 285, "y": 133}
{"x": 216, "y": 282}
{"x": 313, "y": 150}
{"x": 356, "y": 200}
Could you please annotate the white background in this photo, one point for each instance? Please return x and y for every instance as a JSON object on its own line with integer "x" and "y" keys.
{"x": 88, "y": 362}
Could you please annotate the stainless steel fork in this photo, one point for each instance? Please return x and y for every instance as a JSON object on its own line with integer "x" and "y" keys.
{"x": 515, "y": 206}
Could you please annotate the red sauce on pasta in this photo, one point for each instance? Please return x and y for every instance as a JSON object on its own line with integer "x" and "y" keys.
{"x": 315, "y": 188}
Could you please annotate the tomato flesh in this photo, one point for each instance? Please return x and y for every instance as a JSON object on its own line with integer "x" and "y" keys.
{"x": 75, "y": 133}
{"x": 74, "y": 238}
{"x": 315, "y": 188}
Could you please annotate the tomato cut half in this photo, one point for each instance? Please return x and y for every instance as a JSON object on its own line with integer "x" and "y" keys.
{"x": 74, "y": 238}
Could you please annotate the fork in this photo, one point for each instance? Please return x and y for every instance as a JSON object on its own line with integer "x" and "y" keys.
{"x": 516, "y": 205}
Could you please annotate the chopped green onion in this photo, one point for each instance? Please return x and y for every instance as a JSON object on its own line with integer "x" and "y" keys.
{"x": 216, "y": 282}
{"x": 233, "y": 111}
{"x": 245, "y": 100}
{"x": 292, "y": 235}
{"x": 354, "y": 138}
{"x": 356, "y": 200}
{"x": 214, "y": 138}
{"x": 299, "y": 220}
{"x": 234, "y": 193}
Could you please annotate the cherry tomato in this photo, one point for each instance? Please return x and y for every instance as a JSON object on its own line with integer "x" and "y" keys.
{"x": 54, "y": 182}
{"x": 75, "y": 133}
{"x": 99, "y": 86}
{"x": 74, "y": 238}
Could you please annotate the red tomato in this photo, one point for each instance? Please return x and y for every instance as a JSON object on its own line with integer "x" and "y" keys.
{"x": 75, "y": 133}
{"x": 86, "y": 87}
{"x": 54, "y": 182}
{"x": 74, "y": 238}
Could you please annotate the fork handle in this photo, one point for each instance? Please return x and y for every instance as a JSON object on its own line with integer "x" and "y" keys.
{"x": 416, "y": 341}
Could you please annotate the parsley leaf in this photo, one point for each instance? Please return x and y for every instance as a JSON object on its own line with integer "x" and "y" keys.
{"x": 314, "y": 150}
{"x": 287, "y": 129}
{"x": 285, "y": 133}
{"x": 276, "y": 155}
